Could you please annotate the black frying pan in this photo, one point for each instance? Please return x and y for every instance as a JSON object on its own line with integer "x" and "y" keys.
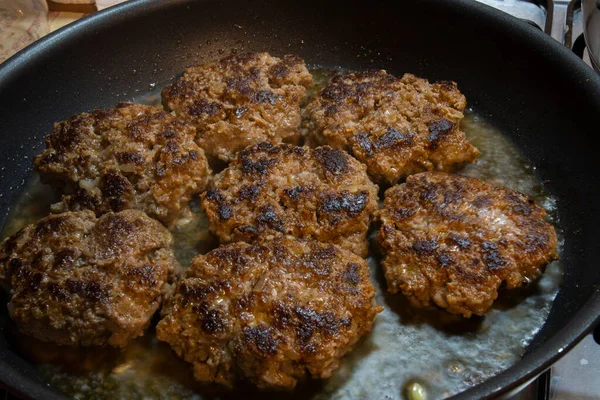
{"x": 537, "y": 92}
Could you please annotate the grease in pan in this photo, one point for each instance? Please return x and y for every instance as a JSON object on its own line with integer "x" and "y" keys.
{"x": 391, "y": 348}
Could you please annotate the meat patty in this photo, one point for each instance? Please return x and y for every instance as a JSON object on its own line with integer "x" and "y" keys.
{"x": 397, "y": 127}
{"x": 74, "y": 279}
{"x": 269, "y": 313}
{"x": 241, "y": 100}
{"x": 270, "y": 190}
{"x": 451, "y": 241}
{"x": 131, "y": 156}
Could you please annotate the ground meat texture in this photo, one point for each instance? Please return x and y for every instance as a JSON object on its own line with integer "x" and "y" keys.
{"x": 128, "y": 157}
{"x": 452, "y": 241}
{"x": 73, "y": 279}
{"x": 271, "y": 190}
{"x": 241, "y": 100}
{"x": 397, "y": 127}
{"x": 270, "y": 314}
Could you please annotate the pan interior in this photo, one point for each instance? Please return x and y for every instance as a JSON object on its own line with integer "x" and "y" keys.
{"x": 446, "y": 354}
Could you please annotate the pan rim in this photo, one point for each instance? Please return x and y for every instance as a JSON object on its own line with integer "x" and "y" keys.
{"x": 527, "y": 368}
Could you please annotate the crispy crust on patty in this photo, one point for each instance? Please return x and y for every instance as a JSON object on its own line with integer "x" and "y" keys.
{"x": 269, "y": 313}
{"x": 74, "y": 279}
{"x": 128, "y": 157}
{"x": 397, "y": 127}
{"x": 451, "y": 241}
{"x": 270, "y": 190}
{"x": 241, "y": 100}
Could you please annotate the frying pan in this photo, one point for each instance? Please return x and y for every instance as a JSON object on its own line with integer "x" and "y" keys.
{"x": 544, "y": 98}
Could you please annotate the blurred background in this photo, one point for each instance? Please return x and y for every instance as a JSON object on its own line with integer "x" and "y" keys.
{"x": 24, "y": 21}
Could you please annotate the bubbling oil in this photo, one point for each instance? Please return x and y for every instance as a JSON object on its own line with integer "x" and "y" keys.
{"x": 442, "y": 353}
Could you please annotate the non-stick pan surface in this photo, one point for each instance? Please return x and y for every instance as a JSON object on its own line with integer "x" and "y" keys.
{"x": 534, "y": 90}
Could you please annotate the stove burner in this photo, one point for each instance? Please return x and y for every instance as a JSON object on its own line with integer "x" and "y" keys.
{"x": 561, "y": 19}
{"x": 574, "y": 37}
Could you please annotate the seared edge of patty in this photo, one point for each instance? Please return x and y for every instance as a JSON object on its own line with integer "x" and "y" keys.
{"x": 241, "y": 100}
{"x": 452, "y": 241}
{"x": 269, "y": 313}
{"x": 273, "y": 190}
{"x": 398, "y": 127}
{"x": 74, "y": 279}
{"x": 128, "y": 157}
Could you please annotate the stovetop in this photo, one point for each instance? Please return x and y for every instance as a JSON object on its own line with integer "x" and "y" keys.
{"x": 576, "y": 376}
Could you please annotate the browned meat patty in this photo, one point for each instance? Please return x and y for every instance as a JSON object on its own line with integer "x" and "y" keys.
{"x": 73, "y": 279}
{"x": 270, "y": 190}
{"x": 451, "y": 241}
{"x": 131, "y": 156}
{"x": 269, "y": 313}
{"x": 397, "y": 127}
{"x": 241, "y": 100}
